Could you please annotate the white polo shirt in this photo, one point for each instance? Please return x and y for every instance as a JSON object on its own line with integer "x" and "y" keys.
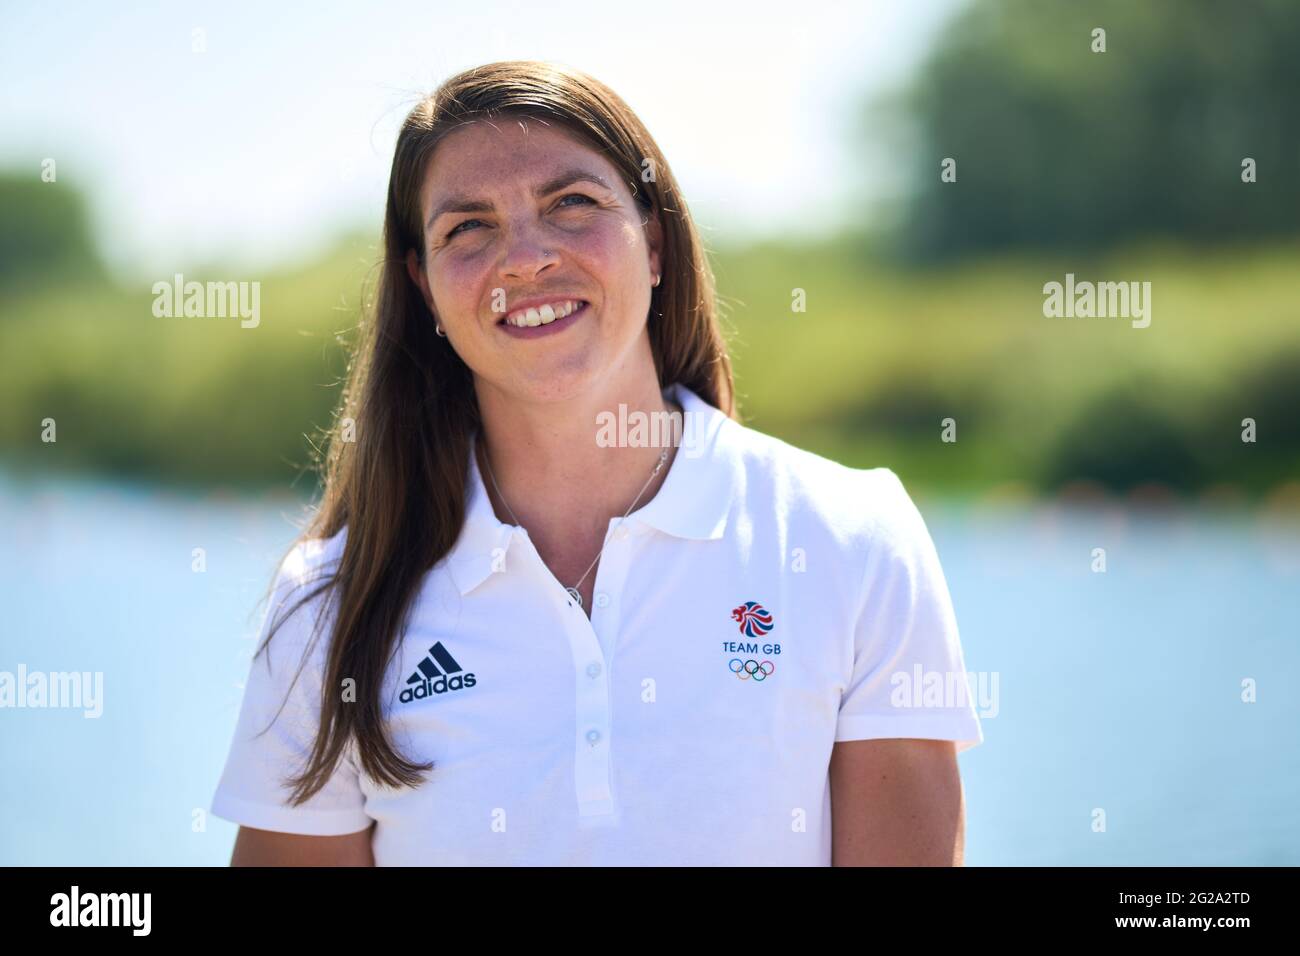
{"x": 765, "y": 604}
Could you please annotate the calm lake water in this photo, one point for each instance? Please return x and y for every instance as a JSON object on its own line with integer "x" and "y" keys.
{"x": 1120, "y": 691}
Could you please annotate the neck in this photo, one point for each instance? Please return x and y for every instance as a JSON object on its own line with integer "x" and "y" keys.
{"x": 552, "y": 474}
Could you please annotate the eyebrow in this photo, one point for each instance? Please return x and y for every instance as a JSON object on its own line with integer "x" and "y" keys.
{"x": 552, "y": 185}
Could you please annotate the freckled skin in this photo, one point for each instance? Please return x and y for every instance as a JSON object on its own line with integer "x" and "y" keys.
{"x": 600, "y": 251}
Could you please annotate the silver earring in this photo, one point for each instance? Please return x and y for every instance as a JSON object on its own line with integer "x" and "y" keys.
{"x": 656, "y": 282}
{"x": 438, "y": 328}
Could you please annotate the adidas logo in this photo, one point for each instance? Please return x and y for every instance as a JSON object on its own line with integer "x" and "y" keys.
{"x": 438, "y": 673}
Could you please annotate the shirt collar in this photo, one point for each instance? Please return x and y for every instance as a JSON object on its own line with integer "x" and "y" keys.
{"x": 693, "y": 502}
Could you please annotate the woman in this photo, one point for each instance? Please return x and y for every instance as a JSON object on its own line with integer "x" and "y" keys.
{"x": 573, "y": 611}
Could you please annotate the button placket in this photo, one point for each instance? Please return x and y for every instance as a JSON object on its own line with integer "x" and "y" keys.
{"x": 595, "y": 758}
{"x": 590, "y": 642}
{"x": 592, "y": 718}
{"x": 611, "y": 574}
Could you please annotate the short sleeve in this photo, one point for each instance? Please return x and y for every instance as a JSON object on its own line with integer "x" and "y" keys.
{"x": 251, "y": 791}
{"x": 908, "y": 676}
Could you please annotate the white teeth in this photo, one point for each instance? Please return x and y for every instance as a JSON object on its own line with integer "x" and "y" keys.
{"x": 543, "y": 316}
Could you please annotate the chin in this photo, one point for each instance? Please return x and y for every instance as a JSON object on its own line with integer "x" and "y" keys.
{"x": 558, "y": 382}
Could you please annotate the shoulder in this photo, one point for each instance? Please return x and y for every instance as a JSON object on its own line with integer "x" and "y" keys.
{"x": 859, "y": 505}
{"x": 311, "y": 559}
{"x": 297, "y": 596}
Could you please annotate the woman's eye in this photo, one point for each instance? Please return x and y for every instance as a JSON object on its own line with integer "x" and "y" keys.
{"x": 465, "y": 223}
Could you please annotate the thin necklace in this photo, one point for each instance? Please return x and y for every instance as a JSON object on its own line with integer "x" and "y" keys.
{"x": 573, "y": 591}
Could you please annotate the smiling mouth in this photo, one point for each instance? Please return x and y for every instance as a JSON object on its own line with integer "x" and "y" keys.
{"x": 551, "y": 312}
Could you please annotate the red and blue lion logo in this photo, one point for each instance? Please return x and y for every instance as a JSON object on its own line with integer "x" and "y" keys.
{"x": 754, "y": 619}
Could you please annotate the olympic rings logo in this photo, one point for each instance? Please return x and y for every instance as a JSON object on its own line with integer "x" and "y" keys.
{"x": 751, "y": 669}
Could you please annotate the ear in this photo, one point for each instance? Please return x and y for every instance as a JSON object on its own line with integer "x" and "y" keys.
{"x": 418, "y": 277}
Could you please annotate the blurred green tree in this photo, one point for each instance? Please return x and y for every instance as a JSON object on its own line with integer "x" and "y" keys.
{"x": 44, "y": 231}
{"x": 1059, "y": 146}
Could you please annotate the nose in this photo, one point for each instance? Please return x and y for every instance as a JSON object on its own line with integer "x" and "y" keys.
{"x": 527, "y": 255}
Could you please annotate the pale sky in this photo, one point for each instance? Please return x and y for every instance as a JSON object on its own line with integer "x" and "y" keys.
{"x": 260, "y": 149}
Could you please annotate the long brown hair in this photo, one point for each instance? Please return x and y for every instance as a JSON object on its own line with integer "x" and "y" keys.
{"x": 399, "y": 487}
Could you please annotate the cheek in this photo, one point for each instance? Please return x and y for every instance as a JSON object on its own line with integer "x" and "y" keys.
{"x": 459, "y": 280}
{"x": 610, "y": 248}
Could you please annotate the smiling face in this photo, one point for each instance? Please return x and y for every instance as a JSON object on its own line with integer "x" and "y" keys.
{"x": 522, "y": 213}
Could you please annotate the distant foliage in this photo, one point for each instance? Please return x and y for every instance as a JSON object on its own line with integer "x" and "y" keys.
{"x": 1058, "y": 146}
{"x": 44, "y": 231}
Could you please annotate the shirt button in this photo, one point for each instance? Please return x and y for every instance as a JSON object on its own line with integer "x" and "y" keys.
{"x": 602, "y": 599}
{"x": 593, "y": 737}
{"x": 593, "y": 669}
